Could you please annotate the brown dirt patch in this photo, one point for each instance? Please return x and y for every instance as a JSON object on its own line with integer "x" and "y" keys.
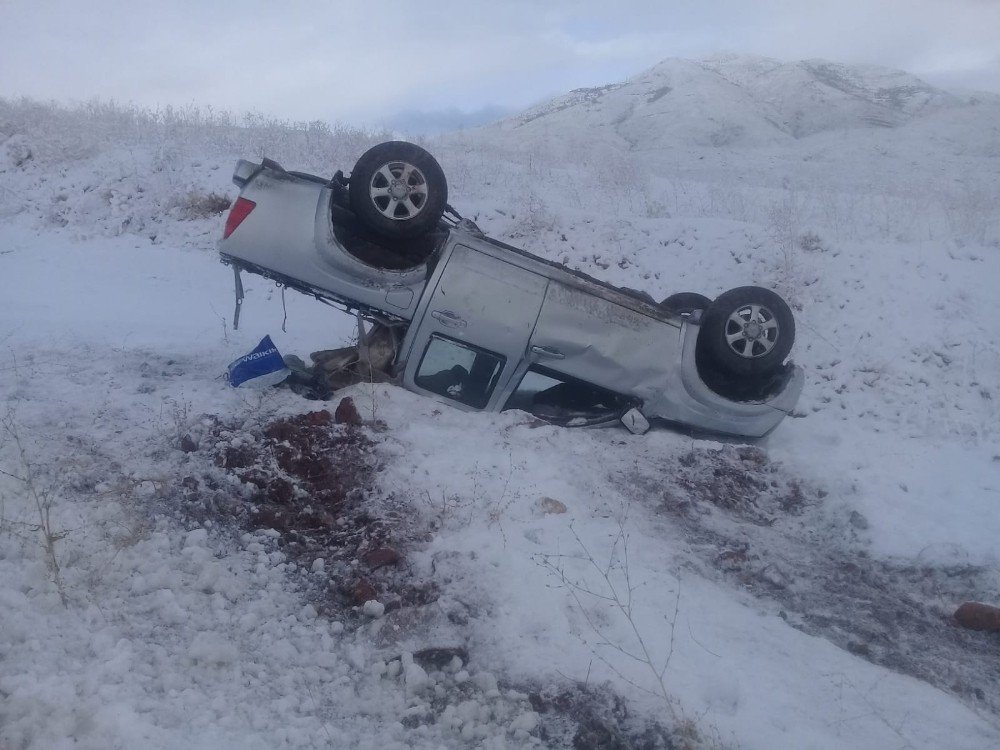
{"x": 312, "y": 481}
{"x": 741, "y": 480}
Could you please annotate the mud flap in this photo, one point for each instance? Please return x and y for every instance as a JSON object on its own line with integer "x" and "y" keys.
{"x": 239, "y": 296}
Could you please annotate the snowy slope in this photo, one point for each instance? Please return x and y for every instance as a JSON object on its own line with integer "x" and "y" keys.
{"x": 796, "y": 594}
{"x": 866, "y": 152}
{"x": 737, "y": 100}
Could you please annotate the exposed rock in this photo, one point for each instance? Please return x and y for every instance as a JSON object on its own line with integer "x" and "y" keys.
{"x": 380, "y": 557}
{"x": 319, "y": 418}
{"x": 188, "y": 444}
{"x": 347, "y": 412}
{"x": 296, "y": 429}
{"x": 440, "y": 658}
{"x": 976, "y": 616}
{"x": 551, "y": 506}
{"x": 363, "y": 591}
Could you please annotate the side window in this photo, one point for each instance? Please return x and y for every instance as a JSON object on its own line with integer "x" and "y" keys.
{"x": 562, "y": 400}
{"x": 459, "y": 371}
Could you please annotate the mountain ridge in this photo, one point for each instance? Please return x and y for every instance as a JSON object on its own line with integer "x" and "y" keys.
{"x": 730, "y": 100}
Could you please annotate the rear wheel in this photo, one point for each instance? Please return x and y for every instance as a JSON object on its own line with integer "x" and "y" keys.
{"x": 398, "y": 190}
{"x": 747, "y": 332}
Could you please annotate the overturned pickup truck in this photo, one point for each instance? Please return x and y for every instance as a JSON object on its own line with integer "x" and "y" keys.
{"x": 480, "y": 324}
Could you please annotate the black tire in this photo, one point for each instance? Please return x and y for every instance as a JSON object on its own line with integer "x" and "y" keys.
{"x": 747, "y": 332}
{"x": 686, "y": 304}
{"x": 398, "y": 190}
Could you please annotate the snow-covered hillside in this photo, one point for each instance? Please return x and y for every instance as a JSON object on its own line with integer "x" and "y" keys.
{"x": 581, "y": 588}
{"x": 739, "y": 100}
{"x": 866, "y": 152}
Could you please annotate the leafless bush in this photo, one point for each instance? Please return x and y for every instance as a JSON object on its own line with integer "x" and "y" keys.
{"x": 617, "y": 591}
{"x": 41, "y": 497}
{"x": 499, "y": 506}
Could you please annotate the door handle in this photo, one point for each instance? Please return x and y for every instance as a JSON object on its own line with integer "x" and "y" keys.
{"x": 448, "y": 318}
{"x": 547, "y": 351}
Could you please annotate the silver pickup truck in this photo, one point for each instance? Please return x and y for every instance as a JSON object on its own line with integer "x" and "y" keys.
{"x": 482, "y": 325}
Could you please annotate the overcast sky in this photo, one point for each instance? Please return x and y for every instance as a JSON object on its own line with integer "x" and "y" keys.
{"x": 365, "y": 62}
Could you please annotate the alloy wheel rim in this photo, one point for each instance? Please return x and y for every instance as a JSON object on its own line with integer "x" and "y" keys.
{"x": 398, "y": 190}
{"x": 751, "y": 331}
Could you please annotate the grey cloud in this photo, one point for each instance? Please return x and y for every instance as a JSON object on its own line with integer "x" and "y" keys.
{"x": 346, "y": 61}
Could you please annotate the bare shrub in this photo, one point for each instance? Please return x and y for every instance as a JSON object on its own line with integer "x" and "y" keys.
{"x": 811, "y": 242}
{"x": 616, "y": 590}
{"x": 40, "y": 496}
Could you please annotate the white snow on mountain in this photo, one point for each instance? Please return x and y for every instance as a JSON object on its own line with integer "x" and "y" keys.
{"x": 797, "y": 593}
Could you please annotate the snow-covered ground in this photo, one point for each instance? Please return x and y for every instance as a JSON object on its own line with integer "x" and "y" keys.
{"x": 791, "y": 594}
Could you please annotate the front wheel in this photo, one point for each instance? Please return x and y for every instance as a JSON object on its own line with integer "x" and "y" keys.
{"x": 398, "y": 190}
{"x": 747, "y": 332}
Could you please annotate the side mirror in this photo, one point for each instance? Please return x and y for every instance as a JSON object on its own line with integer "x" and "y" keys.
{"x": 634, "y": 422}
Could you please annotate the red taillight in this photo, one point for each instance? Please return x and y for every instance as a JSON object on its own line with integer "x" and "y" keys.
{"x": 240, "y": 210}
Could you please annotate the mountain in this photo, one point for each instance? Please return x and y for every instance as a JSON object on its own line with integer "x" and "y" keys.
{"x": 738, "y": 101}
{"x": 852, "y": 150}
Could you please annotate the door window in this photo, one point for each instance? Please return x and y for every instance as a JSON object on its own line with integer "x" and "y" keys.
{"x": 566, "y": 401}
{"x": 459, "y": 371}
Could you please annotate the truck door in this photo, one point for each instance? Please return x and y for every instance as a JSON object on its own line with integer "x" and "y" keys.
{"x": 595, "y": 340}
{"x": 475, "y": 329}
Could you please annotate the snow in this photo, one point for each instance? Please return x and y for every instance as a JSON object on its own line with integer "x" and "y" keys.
{"x": 160, "y": 631}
